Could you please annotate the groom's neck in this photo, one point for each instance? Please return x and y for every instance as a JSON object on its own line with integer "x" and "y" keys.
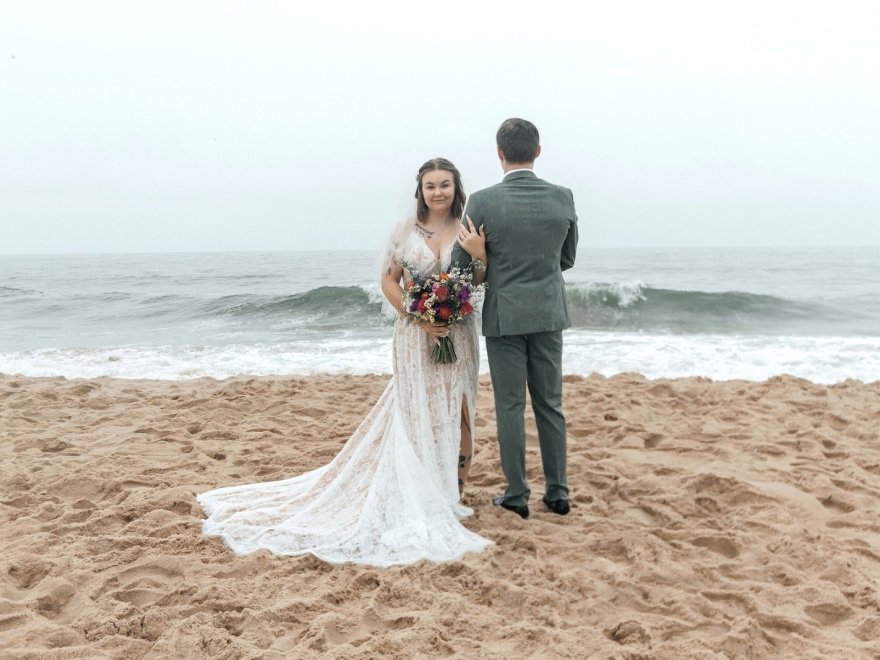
{"x": 509, "y": 167}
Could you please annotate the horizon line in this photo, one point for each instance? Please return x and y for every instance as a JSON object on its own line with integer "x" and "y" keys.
{"x": 584, "y": 248}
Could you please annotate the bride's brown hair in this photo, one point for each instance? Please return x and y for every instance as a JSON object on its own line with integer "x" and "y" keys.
{"x": 457, "y": 201}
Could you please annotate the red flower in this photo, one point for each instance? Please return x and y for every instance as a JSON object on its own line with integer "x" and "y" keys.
{"x": 444, "y": 312}
{"x": 466, "y": 308}
{"x": 425, "y": 296}
{"x": 421, "y": 305}
{"x": 442, "y": 293}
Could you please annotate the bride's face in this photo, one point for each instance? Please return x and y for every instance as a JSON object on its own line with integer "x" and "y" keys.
{"x": 438, "y": 189}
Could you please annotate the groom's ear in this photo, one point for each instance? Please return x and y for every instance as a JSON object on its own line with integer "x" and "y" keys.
{"x": 500, "y": 154}
{"x": 537, "y": 152}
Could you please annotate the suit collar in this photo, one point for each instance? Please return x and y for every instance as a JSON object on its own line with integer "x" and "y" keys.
{"x": 519, "y": 174}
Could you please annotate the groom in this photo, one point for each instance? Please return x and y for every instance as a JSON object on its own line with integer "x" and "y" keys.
{"x": 530, "y": 227}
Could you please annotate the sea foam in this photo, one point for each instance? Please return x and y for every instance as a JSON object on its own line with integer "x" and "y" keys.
{"x": 721, "y": 357}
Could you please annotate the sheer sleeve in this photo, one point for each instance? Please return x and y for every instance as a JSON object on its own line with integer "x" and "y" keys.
{"x": 393, "y": 253}
{"x": 393, "y": 258}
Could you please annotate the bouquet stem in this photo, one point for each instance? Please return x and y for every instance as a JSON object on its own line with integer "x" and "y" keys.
{"x": 443, "y": 351}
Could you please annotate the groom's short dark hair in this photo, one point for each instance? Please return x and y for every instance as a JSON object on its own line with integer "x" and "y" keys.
{"x": 518, "y": 139}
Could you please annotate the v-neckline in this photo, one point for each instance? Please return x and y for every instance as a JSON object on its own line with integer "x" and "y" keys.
{"x": 438, "y": 259}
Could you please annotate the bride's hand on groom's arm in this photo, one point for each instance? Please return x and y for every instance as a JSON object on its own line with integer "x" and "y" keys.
{"x": 472, "y": 240}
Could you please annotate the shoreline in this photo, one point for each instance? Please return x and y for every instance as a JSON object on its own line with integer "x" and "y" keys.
{"x": 733, "y": 517}
{"x": 822, "y": 360}
{"x": 484, "y": 380}
{"x": 483, "y": 377}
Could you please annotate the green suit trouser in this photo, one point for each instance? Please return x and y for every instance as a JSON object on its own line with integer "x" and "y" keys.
{"x": 533, "y": 360}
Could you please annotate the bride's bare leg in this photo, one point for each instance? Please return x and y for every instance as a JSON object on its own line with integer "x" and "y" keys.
{"x": 466, "y": 450}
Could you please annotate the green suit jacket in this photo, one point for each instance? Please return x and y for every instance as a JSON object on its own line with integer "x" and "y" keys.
{"x": 531, "y": 237}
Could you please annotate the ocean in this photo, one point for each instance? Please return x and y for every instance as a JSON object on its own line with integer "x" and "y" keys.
{"x": 723, "y": 313}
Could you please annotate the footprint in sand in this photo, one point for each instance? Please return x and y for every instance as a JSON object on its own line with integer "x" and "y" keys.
{"x": 629, "y": 632}
{"x": 12, "y": 622}
{"x": 139, "y": 597}
{"x": 20, "y": 502}
{"x": 836, "y": 504}
{"x": 84, "y": 388}
{"x": 28, "y": 572}
{"x": 217, "y": 435}
{"x": 868, "y": 630}
{"x": 368, "y": 581}
{"x": 340, "y": 631}
{"x": 265, "y": 429}
{"x": 843, "y": 524}
{"x": 56, "y": 594}
{"x": 182, "y": 507}
{"x": 132, "y": 484}
{"x": 707, "y": 503}
{"x": 485, "y": 480}
{"x": 142, "y": 585}
{"x": 852, "y": 487}
{"x": 644, "y": 516}
{"x": 53, "y": 445}
{"x": 720, "y": 544}
{"x": 76, "y": 517}
{"x": 828, "y": 614}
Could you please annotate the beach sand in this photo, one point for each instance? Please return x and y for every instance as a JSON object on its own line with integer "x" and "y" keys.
{"x": 710, "y": 519}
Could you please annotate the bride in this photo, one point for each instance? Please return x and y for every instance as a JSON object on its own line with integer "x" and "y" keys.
{"x": 391, "y": 495}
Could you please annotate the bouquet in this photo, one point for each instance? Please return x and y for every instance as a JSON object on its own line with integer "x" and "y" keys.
{"x": 445, "y": 297}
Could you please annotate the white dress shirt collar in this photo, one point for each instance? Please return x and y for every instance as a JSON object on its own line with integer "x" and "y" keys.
{"x": 521, "y": 169}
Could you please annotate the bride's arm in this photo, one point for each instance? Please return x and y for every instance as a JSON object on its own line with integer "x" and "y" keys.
{"x": 391, "y": 288}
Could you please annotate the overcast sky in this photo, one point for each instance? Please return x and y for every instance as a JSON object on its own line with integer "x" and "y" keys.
{"x": 202, "y": 126}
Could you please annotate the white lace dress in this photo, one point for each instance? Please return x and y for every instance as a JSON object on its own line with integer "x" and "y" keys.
{"x": 391, "y": 494}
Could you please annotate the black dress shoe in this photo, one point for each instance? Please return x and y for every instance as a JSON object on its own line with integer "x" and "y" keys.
{"x": 523, "y": 511}
{"x": 558, "y": 506}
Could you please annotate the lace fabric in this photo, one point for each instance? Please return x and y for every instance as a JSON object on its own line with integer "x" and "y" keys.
{"x": 391, "y": 494}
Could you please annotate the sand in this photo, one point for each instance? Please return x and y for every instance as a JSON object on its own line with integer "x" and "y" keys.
{"x": 710, "y": 519}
